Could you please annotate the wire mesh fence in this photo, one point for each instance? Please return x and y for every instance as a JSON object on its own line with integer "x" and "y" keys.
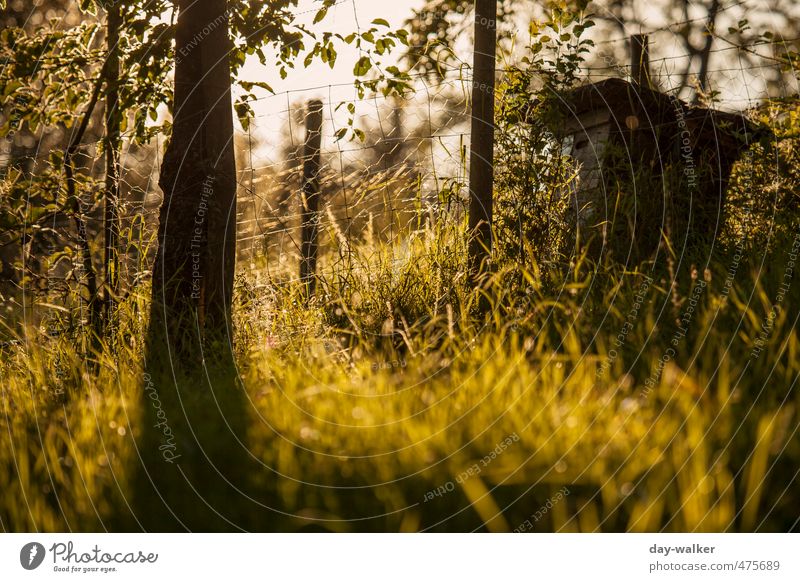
{"x": 410, "y": 167}
{"x": 405, "y": 169}
{"x": 381, "y": 185}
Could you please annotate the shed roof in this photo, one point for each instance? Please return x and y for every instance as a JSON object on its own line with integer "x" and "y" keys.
{"x": 657, "y": 109}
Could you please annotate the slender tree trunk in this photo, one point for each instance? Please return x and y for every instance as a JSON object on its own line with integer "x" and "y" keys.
{"x": 193, "y": 272}
{"x": 705, "y": 52}
{"x": 94, "y": 305}
{"x": 112, "y": 153}
{"x": 481, "y": 165}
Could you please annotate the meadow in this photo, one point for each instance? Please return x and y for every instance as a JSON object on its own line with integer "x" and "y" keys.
{"x": 583, "y": 397}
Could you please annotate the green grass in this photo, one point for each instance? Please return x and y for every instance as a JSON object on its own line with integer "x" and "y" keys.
{"x": 346, "y": 414}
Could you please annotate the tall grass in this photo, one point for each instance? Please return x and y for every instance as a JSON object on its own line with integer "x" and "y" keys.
{"x": 366, "y": 409}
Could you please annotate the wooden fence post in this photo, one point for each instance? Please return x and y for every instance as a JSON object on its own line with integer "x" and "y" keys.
{"x": 481, "y": 166}
{"x": 312, "y": 159}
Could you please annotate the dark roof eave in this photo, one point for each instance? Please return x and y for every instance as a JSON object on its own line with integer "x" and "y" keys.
{"x": 619, "y": 95}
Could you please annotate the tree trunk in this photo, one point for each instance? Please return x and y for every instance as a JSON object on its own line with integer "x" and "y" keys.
{"x": 112, "y": 154}
{"x": 193, "y": 272}
{"x": 94, "y": 305}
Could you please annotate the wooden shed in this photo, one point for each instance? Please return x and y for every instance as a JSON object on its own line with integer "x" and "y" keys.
{"x": 650, "y": 165}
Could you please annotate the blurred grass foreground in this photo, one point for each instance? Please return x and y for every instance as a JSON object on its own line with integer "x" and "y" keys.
{"x": 617, "y": 401}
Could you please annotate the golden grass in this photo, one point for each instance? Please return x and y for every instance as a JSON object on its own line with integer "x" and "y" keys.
{"x": 346, "y": 415}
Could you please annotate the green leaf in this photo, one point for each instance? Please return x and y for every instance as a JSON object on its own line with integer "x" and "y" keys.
{"x": 250, "y": 85}
{"x": 332, "y": 56}
{"x": 362, "y": 67}
{"x": 89, "y": 7}
{"x": 245, "y": 113}
{"x": 323, "y": 12}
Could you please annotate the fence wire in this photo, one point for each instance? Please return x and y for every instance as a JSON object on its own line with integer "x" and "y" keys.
{"x": 408, "y": 170}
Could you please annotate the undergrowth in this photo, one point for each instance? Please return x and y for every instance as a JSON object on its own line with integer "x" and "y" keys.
{"x": 391, "y": 401}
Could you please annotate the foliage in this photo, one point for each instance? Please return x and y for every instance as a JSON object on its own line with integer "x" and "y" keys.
{"x": 434, "y": 29}
{"x": 763, "y": 195}
{"x": 534, "y": 175}
{"x": 439, "y": 27}
{"x": 48, "y": 72}
{"x": 53, "y": 78}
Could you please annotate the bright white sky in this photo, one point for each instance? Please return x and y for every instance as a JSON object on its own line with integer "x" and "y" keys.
{"x": 341, "y": 19}
{"x": 312, "y": 83}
